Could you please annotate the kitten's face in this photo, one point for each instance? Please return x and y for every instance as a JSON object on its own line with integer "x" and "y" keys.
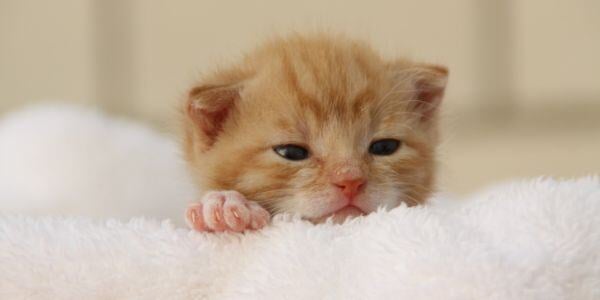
{"x": 319, "y": 127}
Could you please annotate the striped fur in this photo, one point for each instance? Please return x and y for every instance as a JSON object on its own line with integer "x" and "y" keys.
{"x": 332, "y": 95}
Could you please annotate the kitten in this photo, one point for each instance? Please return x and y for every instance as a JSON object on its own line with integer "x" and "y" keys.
{"x": 317, "y": 125}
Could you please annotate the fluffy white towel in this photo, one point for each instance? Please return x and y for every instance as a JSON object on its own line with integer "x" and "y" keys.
{"x": 537, "y": 239}
{"x": 68, "y": 160}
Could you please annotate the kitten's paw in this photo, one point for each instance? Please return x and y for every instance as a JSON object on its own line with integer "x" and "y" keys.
{"x": 226, "y": 211}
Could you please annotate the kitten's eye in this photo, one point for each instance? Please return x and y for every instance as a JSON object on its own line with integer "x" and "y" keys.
{"x": 384, "y": 147}
{"x": 291, "y": 152}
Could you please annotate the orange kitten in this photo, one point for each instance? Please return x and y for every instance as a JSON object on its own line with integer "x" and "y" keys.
{"x": 319, "y": 126}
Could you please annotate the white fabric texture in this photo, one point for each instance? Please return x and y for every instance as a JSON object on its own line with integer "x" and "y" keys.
{"x": 69, "y": 160}
{"x": 528, "y": 239}
{"x": 535, "y": 239}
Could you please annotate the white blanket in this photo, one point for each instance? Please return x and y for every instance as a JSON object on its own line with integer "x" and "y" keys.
{"x": 68, "y": 160}
{"x": 536, "y": 239}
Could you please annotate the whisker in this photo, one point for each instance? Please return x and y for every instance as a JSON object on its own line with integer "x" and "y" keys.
{"x": 420, "y": 186}
{"x": 391, "y": 91}
{"x": 412, "y": 200}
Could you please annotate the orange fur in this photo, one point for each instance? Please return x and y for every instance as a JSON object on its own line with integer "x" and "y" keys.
{"x": 333, "y": 96}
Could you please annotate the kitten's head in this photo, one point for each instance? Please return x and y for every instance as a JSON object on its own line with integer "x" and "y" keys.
{"x": 319, "y": 126}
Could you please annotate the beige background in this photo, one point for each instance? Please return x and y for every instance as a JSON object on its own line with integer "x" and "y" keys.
{"x": 523, "y": 100}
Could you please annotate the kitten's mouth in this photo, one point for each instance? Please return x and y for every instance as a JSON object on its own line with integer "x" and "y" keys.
{"x": 340, "y": 215}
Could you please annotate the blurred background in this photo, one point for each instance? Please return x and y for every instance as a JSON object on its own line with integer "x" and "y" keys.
{"x": 524, "y": 90}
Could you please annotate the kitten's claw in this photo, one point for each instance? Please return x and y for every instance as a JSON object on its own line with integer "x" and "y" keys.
{"x": 193, "y": 217}
{"x": 226, "y": 211}
{"x": 260, "y": 217}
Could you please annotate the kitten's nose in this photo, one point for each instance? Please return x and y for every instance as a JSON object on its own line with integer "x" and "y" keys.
{"x": 351, "y": 187}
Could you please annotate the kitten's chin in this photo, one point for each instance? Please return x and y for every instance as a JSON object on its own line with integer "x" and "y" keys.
{"x": 339, "y": 216}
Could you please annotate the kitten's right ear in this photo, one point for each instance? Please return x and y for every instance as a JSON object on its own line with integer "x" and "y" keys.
{"x": 427, "y": 83}
{"x": 209, "y": 107}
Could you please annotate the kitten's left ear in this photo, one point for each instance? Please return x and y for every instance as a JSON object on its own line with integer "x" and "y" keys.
{"x": 428, "y": 84}
{"x": 209, "y": 107}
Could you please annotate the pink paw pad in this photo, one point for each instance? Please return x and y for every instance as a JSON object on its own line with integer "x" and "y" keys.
{"x": 226, "y": 211}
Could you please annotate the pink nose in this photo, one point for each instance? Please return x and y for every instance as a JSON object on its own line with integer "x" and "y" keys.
{"x": 351, "y": 187}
